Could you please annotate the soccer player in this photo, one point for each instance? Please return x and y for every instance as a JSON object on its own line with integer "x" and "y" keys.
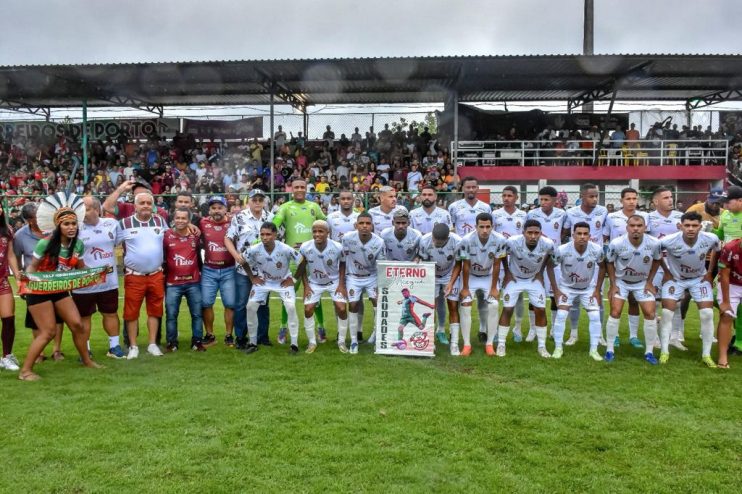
{"x": 320, "y": 273}
{"x": 408, "y": 316}
{"x": 400, "y": 241}
{"x": 383, "y": 213}
{"x": 8, "y": 261}
{"x": 297, "y": 216}
{"x": 663, "y": 221}
{"x": 730, "y": 228}
{"x": 182, "y": 253}
{"x": 243, "y": 232}
{"x": 685, "y": 270}
{"x": 268, "y": 265}
{"x": 424, "y": 218}
{"x": 590, "y": 212}
{"x": 632, "y": 262}
{"x": 481, "y": 252}
{"x": 217, "y": 274}
{"x": 527, "y": 254}
{"x": 576, "y": 262}
{"x": 343, "y": 220}
{"x": 361, "y": 250}
{"x": 509, "y": 221}
{"x": 615, "y": 226}
{"x": 729, "y": 295}
{"x": 98, "y": 235}
{"x": 442, "y": 247}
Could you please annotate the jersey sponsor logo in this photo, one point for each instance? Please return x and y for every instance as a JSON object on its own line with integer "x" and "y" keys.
{"x": 215, "y": 247}
{"x": 183, "y": 261}
{"x": 299, "y": 228}
{"x": 318, "y": 273}
{"x": 633, "y": 272}
{"x": 575, "y": 278}
{"x": 99, "y": 254}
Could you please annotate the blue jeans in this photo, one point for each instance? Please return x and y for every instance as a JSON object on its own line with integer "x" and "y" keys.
{"x": 173, "y": 296}
{"x": 244, "y": 285}
{"x": 221, "y": 280}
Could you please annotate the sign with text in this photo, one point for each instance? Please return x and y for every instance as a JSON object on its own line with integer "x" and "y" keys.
{"x": 246, "y": 128}
{"x": 405, "y": 315}
{"x": 49, "y": 132}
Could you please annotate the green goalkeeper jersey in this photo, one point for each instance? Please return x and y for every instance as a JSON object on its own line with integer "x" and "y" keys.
{"x": 297, "y": 219}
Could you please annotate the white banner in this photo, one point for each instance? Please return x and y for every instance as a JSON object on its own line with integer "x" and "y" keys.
{"x": 405, "y": 316}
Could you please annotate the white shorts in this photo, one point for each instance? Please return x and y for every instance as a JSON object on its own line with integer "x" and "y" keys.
{"x": 585, "y": 298}
{"x": 356, "y": 287}
{"x": 440, "y": 287}
{"x": 700, "y": 291}
{"x": 318, "y": 290}
{"x": 637, "y": 289}
{"x": 735, "y": 296}
{"x": 479, "y": 284}
{"x": 259, "y": 293}
{"x": 547, "y": 282}
{"x": 657, "y": 282}
{"x": 517, "y": 286}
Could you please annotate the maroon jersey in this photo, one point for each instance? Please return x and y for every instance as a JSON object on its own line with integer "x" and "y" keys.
{"x": 5, "y": 244}
{"x": 126, "y": 209}
{"x": 181, "y": 258}
{"x": 730, "y": 258}
{"x": 216, "y": 255}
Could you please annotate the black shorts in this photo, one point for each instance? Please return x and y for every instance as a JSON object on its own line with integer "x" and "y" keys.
{"x": 104, "y": 302}
{"x": 38, "y": 299}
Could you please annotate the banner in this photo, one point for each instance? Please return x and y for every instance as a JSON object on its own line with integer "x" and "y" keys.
{"x": 49, "y": 132}
{"x": 45, "y": 282}
{"x": 246, "y": 128}
{"x": 405, "y": 316}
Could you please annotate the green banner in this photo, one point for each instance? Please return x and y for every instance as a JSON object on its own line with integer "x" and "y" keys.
{"x": 40, "y": 283}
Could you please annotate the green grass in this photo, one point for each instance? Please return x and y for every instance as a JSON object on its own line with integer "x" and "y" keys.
{"x": 222, "y": 421}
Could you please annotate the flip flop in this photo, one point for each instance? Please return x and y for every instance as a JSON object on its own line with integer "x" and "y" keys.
{"x": 40, "y": 359}
{"x": 58, "y": 356}
{"x": 29, "y": 376}
{"x": 723, "y": 366}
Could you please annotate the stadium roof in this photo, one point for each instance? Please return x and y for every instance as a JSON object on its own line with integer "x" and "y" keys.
{"x": 371, "y": 80}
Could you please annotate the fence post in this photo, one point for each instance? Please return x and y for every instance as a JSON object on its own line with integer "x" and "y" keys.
{"x": 522, "y": 153}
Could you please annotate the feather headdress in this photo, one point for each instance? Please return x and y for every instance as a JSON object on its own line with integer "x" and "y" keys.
{"x": 55, "y": 207}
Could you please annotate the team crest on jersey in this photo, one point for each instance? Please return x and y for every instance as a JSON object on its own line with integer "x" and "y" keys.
{"x": 370, "y": 257}
{"x": 449, "y": 258}
{"x": 506, "y": 298}
{"x": 110, "y": 235}
{"x": 351, "y": 292}
{"x": 410, "y": 251}
{"x": 312, "y": 212}
{"x": 278, "y": 265}
{"x": 491, "y": 255}
{"x": 702, "y": 256}
{"x": 589, "y": 264}
{"x": 517, "y": 224}
{"x": 646, "y": 260}
{"x": 597, "y": 224}
{"x": 329, "y": 262}
{"x": 217, "y": 228}
{"x": 157, "y": 231}
{"x": 556, "y": 225}
{"x": 252, "y": 293}
{"x": 672, "y": 290}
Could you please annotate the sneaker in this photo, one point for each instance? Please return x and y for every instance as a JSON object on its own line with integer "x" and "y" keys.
{"x": 250, "y": 348}
{"x": 322, "y": 334}
{"x": 198, "y": 347}
{"x": 602, "y": 342}
{"x": 678, "y": 345}
{"x": 7, "y": 364}
{"x": 664, "y": 358}
{"x": 558, "y": 352}
{"x": 482, "y": 337}
{"x": 455, "y": 350}
{"x": 294, "y": 350}
{"x": 354, "y": 348}
{"x": 609, "y": 356}
{"x": 466, "y": 351}
{"x": 572, "y": 340}
{"x": 530, "y": 336}
{"x": 489, "y": 350}
{"x": 636, "y": 342}
{"x": 517, "y": 335}
{"x": 595, "y": 356}
{"x": 133, "y": 353}
{"x": 342, "y": 348}
{"x": 116, "y": 352}
{"x": 13, "y": 359}
{"x": 544, "y": 353}
{"x": 154, "y": 350}
{"x": 650, "y": 358}
{"x": 616, "y": 342}
{"x": 229, "y": 341}
{"x": 311, "y": 347}
{"x": 501, "y": 350}
{"x": 282, "y": 336}
{"x": 714, "y": 340}
{"x": 209, "y": 339}
{"x": 171, "y": 347}
{"x": 441, "y": 337}
{"x": 240, "y": 343}
{"x": 359, "y": 335}
{"x": 709, "y": 362}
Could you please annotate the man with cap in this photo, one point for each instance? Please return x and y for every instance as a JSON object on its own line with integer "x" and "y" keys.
{"x": 217, "y": 273}
{"x": 244, "y": 231}
{"x": 730, "y": 228}
{"x": 120, "y": 210}
{"x": 710, "y": 210}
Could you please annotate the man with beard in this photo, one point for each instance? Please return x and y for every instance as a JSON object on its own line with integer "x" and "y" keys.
{"x": 382, "y": 214}
{"x": 343, "y": 220}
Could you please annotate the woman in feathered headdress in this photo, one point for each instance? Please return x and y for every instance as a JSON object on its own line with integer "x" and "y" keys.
{"x": 59, "y": 214}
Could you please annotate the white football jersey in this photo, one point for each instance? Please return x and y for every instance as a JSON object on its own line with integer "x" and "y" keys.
{"x": 400, "y": 250}
{"x": 523, "y": 262}
{"x": 100, "y": 242}
{"x": 662, "y": 226}
{"x": 482, "y": 256}
{"x": 463, "y": 215}
{"x": 633, "y": 264}
{"x": 360, "y": 259}
{"x": 578, "y": 270}
{"x": 381, "y": 219}
{"x": 244, "y": 231}
{"x": 423, "y": 222}
{"x": 341, "y": 224}
{"x": 595, "y": 218}
{"x": 688, "y": 261}
{"x": 506, "y": 224}
{"x": 323, "y": 267}
{"x": 445, "y": 257}
{"x": 273, "y": 267}
{"x": 551, "y": 224}
{"x": 615, "y": 224}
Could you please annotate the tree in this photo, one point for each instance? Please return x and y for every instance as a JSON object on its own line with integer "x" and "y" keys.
{"x": 430, "y": 121}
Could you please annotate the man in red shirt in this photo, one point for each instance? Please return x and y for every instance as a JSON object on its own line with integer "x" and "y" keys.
{"x": 120, "y": 210}
{"x": 729, "y": 295}
{"x": 182, "y": 253}
{"x": 218, "y": 270}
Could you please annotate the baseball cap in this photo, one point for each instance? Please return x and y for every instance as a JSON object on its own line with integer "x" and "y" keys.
{"x": 733, "y": 192}
{"x": 140, "y": 182}
{"x": 256, "y": 192}
{"x": 217, "y": 199}
{"x": 716, "y": 195}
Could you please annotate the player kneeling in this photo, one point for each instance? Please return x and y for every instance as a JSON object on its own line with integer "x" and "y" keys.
{"x": 685, "y": 270}
{"x": 526, "y": 256}
{"x": 577, "y": 261}
{"x": 268, "y": 268}
{"x": 320, "y": 273}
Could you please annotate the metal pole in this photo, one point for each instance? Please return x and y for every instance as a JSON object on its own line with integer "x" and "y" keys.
{"x": 587, "y": 40}
{"x": 306, "y": 123}
{"x": 84, "y": 141}
{"x": 599, "y": 146}
{"x": 454, "y": 151}
{"x": 273, "y": 150}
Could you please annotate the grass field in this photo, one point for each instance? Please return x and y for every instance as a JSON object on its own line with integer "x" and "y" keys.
{"x": 222, "y": 421}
